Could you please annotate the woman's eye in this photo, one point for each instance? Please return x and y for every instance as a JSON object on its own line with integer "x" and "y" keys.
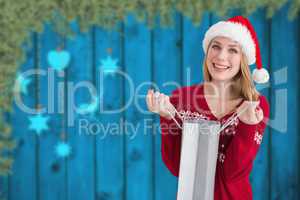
{"x": 215, "y": 47}
{"x": 233, "y": 51}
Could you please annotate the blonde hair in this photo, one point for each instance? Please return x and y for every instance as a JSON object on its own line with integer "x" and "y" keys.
{"x": 242, "y": 82}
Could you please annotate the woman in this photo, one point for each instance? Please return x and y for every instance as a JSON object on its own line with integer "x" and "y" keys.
{"x": 230, "y": 47}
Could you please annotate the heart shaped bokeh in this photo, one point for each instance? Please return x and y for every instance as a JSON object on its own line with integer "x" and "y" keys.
{"x": 59, "y": 59}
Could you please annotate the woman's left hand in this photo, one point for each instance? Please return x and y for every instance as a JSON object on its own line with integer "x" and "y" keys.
{"x": 252, "y": 114}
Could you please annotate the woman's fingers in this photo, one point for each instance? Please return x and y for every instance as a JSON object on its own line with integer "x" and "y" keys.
{"x": 169, "y": 106}
{"x": 149, "y": 100}
{"x": 251, "y": 104}
{"x": 155, "y": 100}
{"x": 158, "y": 103}
{"x": 259, "y": 114}
{"x": 152, "y": 101}
{"x": 248, "y": 107}
{"x": 250, "y": 111}
{"x": 161, "y": 100}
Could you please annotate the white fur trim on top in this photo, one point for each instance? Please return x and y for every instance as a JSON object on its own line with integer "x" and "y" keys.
{"x": 234, "y": 31}
{"x": 260, "y": 75}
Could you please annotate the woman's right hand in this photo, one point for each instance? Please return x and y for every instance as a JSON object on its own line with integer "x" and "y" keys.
{"x": 160, "y": 103}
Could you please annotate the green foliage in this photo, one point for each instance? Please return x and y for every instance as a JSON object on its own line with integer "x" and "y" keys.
{"x": 19, "y": 18}
{"x": 6, "y": 146}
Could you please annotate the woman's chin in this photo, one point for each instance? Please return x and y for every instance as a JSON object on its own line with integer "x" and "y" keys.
{"x": 221, "y": 78}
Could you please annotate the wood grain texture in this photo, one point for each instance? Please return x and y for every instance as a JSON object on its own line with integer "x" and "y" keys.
{"x": 23, "y": 183}
{"x": 52, "y": 170}
{"x": 285, "y": 107}
{"x": 167, "y": 59}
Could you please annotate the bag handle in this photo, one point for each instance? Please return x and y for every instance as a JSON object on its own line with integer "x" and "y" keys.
{"x": 173, "y": 117}
{"x": 232, "y": 119}
{"x": 225, "y": 125}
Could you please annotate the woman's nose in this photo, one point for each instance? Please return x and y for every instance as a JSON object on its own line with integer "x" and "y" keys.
{"x": 222, "y": 55}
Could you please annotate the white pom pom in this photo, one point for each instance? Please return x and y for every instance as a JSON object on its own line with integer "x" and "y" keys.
{"x": 260, "y": 75}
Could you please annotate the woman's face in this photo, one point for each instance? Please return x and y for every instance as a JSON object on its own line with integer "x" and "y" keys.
{"x": 223, "y": 59}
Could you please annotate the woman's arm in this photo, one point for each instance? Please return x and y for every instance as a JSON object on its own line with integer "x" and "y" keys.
{"x": 171, "y": 139}
{"x": 171, "y": 133}
{"x": 244, "y": 146}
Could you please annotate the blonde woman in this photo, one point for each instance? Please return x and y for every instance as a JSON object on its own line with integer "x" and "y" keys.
{"x": 230, "y": 47}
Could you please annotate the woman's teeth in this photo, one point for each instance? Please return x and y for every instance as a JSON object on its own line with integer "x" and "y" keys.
{"x": 222, "y": 67}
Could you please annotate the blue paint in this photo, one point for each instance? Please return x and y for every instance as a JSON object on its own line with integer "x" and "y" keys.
{"x": 51, "y": 183}
{"x": 82, "y": 163}
{"x": 109, "y": 148}
{"x": 22, "y": 180}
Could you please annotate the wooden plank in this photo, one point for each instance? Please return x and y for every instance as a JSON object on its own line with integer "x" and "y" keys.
{"x": 4, "y": 188}
{"x": 285, "y": 103}
{"x": 167, "y": 60}
{"x": 52, "y": 170}
{"x": 81, "y": 165}
{"x": 139, "y": 138}
{"x": 4, "y": 179}
{"x": 110, "y": 147}
{"x": 23, "y": 183}
{"x": 260, "y": 174}
{"x": 193, "y": 55}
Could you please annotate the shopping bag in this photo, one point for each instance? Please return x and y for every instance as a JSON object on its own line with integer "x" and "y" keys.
{"x": 199, "y": 152}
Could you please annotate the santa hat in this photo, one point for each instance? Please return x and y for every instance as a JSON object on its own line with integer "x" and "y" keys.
{"x": 239, "y": 29}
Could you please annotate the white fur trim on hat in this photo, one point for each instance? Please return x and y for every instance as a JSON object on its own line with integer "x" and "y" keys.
{"x": 260, "y": 75}
{"x": 234, "y": 31}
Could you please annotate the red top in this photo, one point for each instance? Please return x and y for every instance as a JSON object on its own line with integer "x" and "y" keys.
{"x": 238, "y": 144}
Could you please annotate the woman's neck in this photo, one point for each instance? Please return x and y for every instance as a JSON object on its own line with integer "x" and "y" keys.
{"x": 222, "y": 91}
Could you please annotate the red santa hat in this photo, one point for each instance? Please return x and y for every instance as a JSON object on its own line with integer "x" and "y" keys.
{"x": 239, "y": 29}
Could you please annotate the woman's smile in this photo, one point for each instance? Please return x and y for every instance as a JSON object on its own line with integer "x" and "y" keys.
{"x": 220, "y": 68}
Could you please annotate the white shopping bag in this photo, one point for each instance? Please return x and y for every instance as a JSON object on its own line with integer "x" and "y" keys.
{"x": 199, "y": 152}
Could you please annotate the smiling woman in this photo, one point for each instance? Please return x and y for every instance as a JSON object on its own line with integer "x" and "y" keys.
{"x": 227, "y": 94}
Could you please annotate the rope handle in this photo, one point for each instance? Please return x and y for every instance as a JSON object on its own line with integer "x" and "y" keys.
{"x": 173, "y": 117}
{"x": 231, "y": 119}
{"x": 225, "y": 125}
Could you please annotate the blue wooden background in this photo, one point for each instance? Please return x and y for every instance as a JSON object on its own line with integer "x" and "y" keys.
{"x": 117, "y": 167}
